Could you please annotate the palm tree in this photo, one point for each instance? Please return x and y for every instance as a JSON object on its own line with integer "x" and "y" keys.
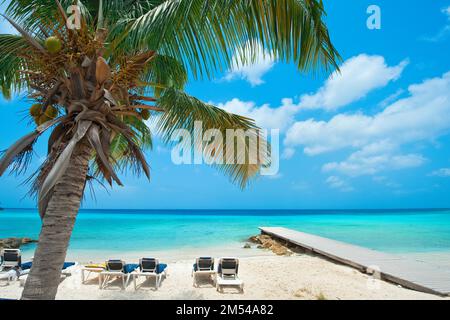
{"x": 94, "y": 88}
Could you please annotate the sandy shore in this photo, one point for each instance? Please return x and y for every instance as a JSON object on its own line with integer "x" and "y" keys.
{"x": 266, "y": 276}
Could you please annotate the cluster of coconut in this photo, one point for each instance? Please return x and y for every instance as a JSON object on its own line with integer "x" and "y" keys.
{"x": 41, "y": 115}
{"x": 54, "y": 45}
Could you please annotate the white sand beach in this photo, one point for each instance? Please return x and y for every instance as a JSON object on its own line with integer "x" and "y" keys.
{"x": 266, "y": 276}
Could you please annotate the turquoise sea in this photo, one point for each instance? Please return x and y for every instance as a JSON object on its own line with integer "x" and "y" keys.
{"x": 118, "y": 231}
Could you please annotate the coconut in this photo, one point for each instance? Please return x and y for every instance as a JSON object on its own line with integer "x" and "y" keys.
{"x": 102, "y": 71}
{"x": 53, "y": 45}
{"x": 145, "y": 114}
{"x": 51, "y": 112}
{"x": 36, "y": 110}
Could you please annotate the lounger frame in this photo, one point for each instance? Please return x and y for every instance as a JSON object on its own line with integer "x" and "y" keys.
{"x": 8, "y": 276}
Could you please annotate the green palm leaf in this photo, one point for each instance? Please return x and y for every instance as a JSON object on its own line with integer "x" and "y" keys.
{"x": 182, "y": 111}
{"x": 205, "y": 34}
{"x": 11, "y": 63}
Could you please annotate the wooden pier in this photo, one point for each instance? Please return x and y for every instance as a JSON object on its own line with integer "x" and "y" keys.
{"x": 409, "y": 273}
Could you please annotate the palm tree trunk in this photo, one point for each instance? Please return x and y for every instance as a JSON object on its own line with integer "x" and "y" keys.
{"x": 57, "y": 226}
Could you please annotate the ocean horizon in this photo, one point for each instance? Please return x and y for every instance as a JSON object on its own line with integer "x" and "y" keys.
{"x": 400, "y": 231}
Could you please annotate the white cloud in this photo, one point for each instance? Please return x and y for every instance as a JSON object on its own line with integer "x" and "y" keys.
{"x": 441, "y": 35}
{"x": 338, "y": 90}
{"x": 392, "y": 98}
{"x": 444, "y": 172}
{"x": 385, "y": 181}
{"x": 264, "y": 116}
{"x": 372, "y": 159}
{"x": 301, "y": 186}
{"x": 288, "y": 153}
{"x": 375, "y": 141}
{"x": 275, "y": 177}
{"x": 254, "y": 71}
{"x": 358, "y": 76}
{"x": 445, "y": 30}
{"x": 446, "y": 11}
{"x": 422, "y": 116}
{"x": 339, "y": 184}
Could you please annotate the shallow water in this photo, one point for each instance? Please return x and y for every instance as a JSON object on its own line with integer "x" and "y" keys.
{"x": 100, "y": 234}
{"x": 404, "y": 232}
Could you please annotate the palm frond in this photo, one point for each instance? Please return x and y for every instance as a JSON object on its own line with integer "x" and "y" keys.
{"x": 182, "y": 111}
{"x": 126, "y": 149}
{"x": 102, "y": 150}
{"x": 10, "y": 62}
{"x": 204, "y": 35}
{"x": 62, "y": 163}
{"x": 164, "y": 72}
{"x": 18, "y": 154}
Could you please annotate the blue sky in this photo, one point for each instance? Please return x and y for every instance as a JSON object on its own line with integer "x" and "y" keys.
{"x": 375, "y": 136}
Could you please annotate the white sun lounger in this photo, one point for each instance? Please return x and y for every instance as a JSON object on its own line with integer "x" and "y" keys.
{"x": 227, "y": 274}
{"x": 10, "y": 265}
{"x": 65, "y": 272}
{"x": 203, "y": 266}
{"x": 86, "y": 271}
{"x": 149, "y": 268}
{"x": 114, "y": 269}
{"x": 10, "y": 258}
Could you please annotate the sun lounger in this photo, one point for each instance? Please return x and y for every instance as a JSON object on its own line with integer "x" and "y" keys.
{"x": 116, "y": 269}
{"x": 25, "y": 269}
{"x": 203, "y": 266}
{"x": 10, "y": 260}
{"x": 91, "y": 268}
{"x": 66, "y": 269}
{"x": 227, "y": 274}
{"x": 150, "y": 268}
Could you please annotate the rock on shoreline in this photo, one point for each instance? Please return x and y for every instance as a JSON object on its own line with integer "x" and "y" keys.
{"x": 267, "y": 242}
{"x": 15, "y": 243}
